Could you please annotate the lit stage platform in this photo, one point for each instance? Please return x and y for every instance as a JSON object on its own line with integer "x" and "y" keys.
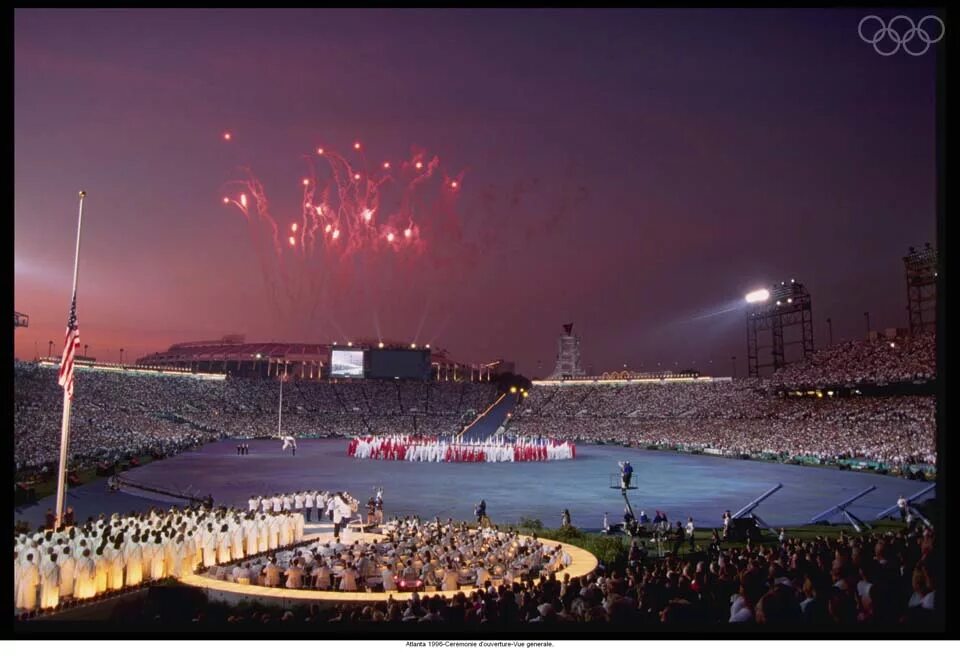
{"x": 583, "y": 563}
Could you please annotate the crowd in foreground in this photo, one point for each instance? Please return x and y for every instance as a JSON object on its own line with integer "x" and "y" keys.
{"x": 885, "y": 582}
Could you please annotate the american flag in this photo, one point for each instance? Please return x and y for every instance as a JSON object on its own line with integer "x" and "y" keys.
{"x": 70, "y": 346}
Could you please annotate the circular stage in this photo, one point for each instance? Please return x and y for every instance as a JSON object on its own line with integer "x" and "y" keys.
{"x": 682, "y": 485}
{"x": 582, "y": 563}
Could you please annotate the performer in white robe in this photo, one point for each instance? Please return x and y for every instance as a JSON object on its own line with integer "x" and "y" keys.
{"x": 263, "y": 534}
{"x": 191, "y": 556}
{"x": 273, "y": 527}
{"x": 158, "y": 564}
{"x": 28, "y": 581}
{"x": 181, "y": 558}
{"x": 100, "y": 565}
{"x": 113, "y": 555}
{"x": 298, "y": 527}
{"x": 133, "y": 558}
{"x": 50, "y": 582}
{"x": 68, "y": 565}
{"x": 236, "y": 536}
{"x": 308, "y": 502}
{"x": 196, "y": 549}
{"x": 146, "y": 553}
{"x": 286, "y": 529}
{"x": 169, "y": 556}
{"x": 338, "y": 518}
{"x": 223, "y": 544}
{"x": 85, "y": 582}
{"x": 209, "y": 547}
{"x": 16, "y": 574}
{"x": 250, "y": 533}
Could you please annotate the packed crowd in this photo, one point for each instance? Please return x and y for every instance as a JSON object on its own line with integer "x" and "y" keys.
{"x": 430, "y": 449}
{"x": 120, "y": 415}
{"x": 878, "y": 361}
{"x": 115, "y": 417}
{"x": 412, "y": 554}
{"x": 738, "y": 417}
{"x": 109, "y": 554}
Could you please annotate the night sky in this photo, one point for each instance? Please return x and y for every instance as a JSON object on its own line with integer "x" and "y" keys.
{"x": 627, "y": 171}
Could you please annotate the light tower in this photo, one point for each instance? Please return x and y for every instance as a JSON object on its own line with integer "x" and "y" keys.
{"x": 20, "y": 320}
{"x": 920, "y": 267}
{"x": 779, "y": 310}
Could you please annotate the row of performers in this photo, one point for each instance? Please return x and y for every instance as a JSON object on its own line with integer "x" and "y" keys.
{"x": 491, "y": 450}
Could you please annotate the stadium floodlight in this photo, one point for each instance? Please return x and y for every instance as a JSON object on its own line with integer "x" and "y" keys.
{"x": 758, "y": 296}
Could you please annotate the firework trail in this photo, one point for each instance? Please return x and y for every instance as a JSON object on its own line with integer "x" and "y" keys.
{"x": 352, "y": 216}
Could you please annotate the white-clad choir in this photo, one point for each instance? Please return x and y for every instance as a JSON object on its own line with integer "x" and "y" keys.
{"x": 119, "y": 552}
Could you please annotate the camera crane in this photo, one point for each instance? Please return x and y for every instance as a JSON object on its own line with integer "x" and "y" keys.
{"x": 623, "y": 482}
{"x": 752, "y": 506}
{"x": 844, "y": 508}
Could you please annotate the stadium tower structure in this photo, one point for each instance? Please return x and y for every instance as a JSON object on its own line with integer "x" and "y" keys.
{"x": 787, "y": 313}
{"x": 568, "y": 355}
{"x": 920, "y": 267}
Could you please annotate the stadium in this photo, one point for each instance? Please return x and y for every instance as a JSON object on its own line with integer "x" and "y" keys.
{"x": 419, "y": 336}
{"x": 843, "y": 434}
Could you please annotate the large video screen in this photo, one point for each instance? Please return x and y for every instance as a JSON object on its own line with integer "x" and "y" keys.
{"x": 346, "y": 363}
{"x": 405, "y": 364}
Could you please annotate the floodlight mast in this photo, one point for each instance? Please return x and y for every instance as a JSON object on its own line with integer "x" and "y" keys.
{"x": 777, "y": 310}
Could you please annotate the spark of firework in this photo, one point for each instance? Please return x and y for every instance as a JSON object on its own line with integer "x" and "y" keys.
{"x": 372, "y": 230}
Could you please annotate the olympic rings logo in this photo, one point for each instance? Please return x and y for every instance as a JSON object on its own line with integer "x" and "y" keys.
{"x": 885, "y": 34}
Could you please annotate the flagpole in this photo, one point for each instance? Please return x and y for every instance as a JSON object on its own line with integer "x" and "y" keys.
{"x": 280, "y": 409}
{"x": 65, "y": 423}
